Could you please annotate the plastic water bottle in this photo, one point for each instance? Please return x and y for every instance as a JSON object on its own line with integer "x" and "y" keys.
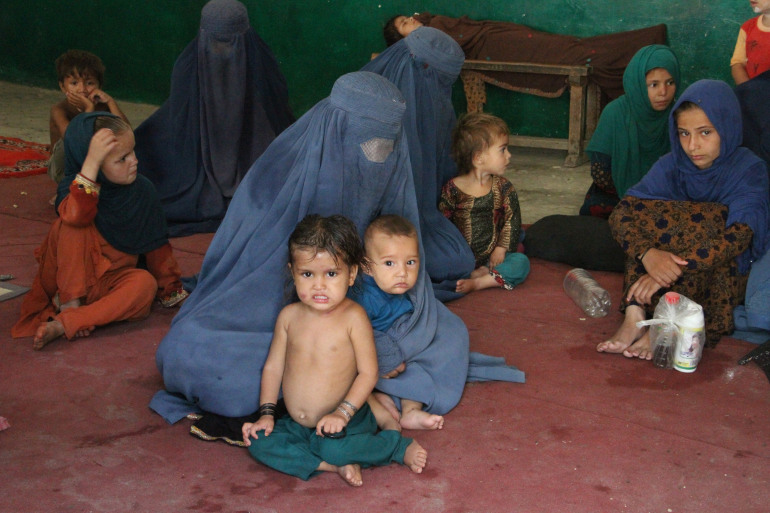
{"x": 664, "y": 337}
{"x": 587, "y": 293}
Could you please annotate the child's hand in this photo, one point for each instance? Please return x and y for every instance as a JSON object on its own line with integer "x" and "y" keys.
{"x": 643, "y": 289}
{"x": 81, "y": 102}
{"x": 99, "y": 96}
{"x": 497, "y": 257}
{"x": 331, "y": 423}
{"x": 250, "y": 429}
{"x": 395, "y": 372}
{"x": 664, "y": 267}
{"x": 102, "y": 143}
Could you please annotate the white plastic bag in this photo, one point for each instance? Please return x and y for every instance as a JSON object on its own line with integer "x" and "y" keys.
{"x": 677, "y": 332}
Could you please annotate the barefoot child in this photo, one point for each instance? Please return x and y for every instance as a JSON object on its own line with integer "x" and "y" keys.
{"x": 695, "y": 222}
{"x": 483, "y": 204}
{"x": 322, "y": 357}
{"x": 81, "y": 75}
{"x": 108, "y": 216}
{"x": 390, "y": 267}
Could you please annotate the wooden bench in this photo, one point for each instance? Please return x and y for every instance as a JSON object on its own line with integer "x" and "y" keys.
{"x": 584, "y": 104}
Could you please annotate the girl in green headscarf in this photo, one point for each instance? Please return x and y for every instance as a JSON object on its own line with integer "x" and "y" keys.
{"x": 633, "y": 129}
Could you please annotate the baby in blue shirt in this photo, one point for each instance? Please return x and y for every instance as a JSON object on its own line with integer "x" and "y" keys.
{"x": 390, "y": 267}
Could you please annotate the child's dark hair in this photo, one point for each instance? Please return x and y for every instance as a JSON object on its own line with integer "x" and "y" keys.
{"x": 337, "y": 235}
{"x": 390, "y": 32}
{"x": 391, "y": 225}
{"x": 81, "y": 63}
{"x": 473, "y": 134}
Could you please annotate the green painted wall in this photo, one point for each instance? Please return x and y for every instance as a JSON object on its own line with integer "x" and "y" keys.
{"x": 318, "y": 40}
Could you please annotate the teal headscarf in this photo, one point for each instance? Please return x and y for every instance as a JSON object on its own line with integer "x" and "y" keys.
{"x": 129, "y": 217}
{"x": 630, "y": 131}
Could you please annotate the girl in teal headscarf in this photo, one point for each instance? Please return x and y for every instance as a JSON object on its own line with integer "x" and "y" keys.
{"x": 633, "y": 129}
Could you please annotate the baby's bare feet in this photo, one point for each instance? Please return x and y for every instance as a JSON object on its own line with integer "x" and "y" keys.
{"x": 465, "y": 286}
{"x": 415, "y": 457}
{"x": 351, "y": 474}
{"x": 421, "y": 419}
{"x": 47, "y": 332}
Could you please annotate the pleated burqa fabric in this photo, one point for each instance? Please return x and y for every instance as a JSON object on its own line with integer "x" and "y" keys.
{"x": 227, "y": 103}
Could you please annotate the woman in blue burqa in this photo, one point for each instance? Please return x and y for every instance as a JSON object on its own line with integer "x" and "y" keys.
{"x": 347, "y": 155}
{"x": 424, "y": 65}
{"x": 228, "y": 101}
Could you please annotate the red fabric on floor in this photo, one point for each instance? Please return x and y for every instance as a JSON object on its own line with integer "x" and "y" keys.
{"x": 20, "y": 158}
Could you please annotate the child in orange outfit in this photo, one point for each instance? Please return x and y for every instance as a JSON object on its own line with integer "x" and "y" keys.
{"x": 88, "y": 273}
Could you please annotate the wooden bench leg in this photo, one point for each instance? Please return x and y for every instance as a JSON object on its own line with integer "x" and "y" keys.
{"x": 577, "y": 121}
{"x": 593, "y": 108}
{"x": 475, "y": 91}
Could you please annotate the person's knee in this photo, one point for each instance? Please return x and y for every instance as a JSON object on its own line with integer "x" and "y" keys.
{"x": 145, "y": 288}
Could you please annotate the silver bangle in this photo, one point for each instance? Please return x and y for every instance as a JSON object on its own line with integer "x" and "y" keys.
{"x": 344, "y": 412}
{"x": 350, "y": 405}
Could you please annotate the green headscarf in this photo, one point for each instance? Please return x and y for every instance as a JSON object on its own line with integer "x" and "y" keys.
{"x": 630, "y": 131}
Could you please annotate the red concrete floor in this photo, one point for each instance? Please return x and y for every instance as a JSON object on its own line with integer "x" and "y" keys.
{"x": 587, "y": 432}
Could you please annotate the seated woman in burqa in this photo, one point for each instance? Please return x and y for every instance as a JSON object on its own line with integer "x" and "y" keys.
{"x": 424, "y": 66}
{"x": 345, "y": 156}
{"x": 228, "y": 101}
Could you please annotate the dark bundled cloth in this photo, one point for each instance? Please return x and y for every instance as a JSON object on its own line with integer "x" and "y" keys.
{"x": 424, "y": 65}
{"x": 754, "y": 97}
{"x": 489, "y": 40}
{"x": 580, "y": 241}
{"x": 347, "y": 155}
{"x": 228, "y": 101}
{"x": 129, "y": 217}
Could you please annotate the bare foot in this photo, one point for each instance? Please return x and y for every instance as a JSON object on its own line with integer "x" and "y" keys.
{"x": 351, "y": 474}
{"x": 47, "y": 332}
{"x": 640, "y": 349}
{"x": 421, "y": 419}
{"x": 415, "y": 457}
{"x": 486, "y": 281}
{"x": 389, "y": 405}
{"x": 85, "y": 332}
{"x": 627, "y": 334}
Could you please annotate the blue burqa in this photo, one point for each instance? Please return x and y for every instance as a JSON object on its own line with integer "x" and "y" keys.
{"x": 754, "y": 97}
{"x": 347, "y": 155}
{"x": 424, "y": 65}
{"x": 737, "y": 178}
{"x": 752, "y": 319}
{"x": 228, "y": 101}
